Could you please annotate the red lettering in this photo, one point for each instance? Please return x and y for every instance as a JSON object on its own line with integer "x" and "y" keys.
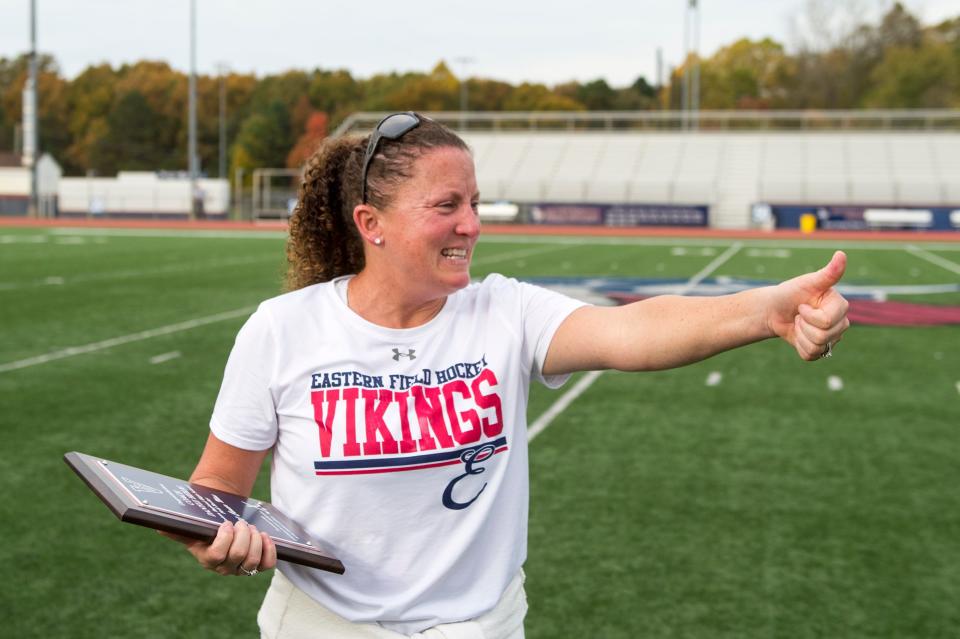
{"x": 495, "y": 427}
{"x": 351, "y": 448}
{"x": 325, "y": 423}
{"x": 407, "y": 445}
{"x": 471, "y": 434}
{"x": 426, "y": 403}
{"x": 375, "y": 424}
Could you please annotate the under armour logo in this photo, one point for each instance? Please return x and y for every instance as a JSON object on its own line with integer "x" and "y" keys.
{"x": 397, "y": 354}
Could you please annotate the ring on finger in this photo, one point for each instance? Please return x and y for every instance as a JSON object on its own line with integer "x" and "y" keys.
{"x": 248, "y": 573}
{"x": 828, "y": 351}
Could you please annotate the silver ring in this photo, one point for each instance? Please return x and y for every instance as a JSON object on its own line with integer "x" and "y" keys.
{"x": 828, "y": 351}
{"x": 248, "y": 573}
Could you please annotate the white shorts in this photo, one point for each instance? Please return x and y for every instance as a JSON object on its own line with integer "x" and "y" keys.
{"x": 289, "y": 613}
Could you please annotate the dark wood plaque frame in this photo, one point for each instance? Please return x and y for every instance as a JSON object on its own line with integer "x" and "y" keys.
{"x": 128, "y": 508}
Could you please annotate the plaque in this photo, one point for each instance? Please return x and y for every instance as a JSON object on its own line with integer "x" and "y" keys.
{"x": 165, "y": 503}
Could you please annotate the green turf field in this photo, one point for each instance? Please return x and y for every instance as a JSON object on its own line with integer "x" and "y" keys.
{"x": 761, "y": 505}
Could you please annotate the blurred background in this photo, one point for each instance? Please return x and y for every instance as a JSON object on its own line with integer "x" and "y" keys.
{"x": 210, "y": 108}
{"x": 150, "y": 154}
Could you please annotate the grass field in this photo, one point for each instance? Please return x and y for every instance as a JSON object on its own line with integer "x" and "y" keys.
{"x": 763, "y": 504}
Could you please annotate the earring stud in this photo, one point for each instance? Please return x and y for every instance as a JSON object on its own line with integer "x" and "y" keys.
{"x": 378, "y": 241}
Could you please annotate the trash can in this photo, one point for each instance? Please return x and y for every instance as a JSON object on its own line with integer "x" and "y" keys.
{"x": 808, "y": 223}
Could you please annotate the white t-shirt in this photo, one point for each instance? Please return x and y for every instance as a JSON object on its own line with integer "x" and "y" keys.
{"x": 405, "y": 450}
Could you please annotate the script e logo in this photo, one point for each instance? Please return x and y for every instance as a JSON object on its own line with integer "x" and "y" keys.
{"x": 469, "y": 457}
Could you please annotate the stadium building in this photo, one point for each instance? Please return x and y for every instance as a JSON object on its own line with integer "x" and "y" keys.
{"x": 733, "y": 170}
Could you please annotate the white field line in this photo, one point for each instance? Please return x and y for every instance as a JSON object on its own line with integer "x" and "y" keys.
{"x": 164, "y": 357}
{"x": 137, "y": 273}
{"x": 934, "y": 259}
{"x": 125, "y": 339}
{"x": 587, "y": 380}
{"x": 168, "y": 233}
{"x": 561, "y": 404}
{"x": 239, "y": 261}
{"x": 708, "y": 269}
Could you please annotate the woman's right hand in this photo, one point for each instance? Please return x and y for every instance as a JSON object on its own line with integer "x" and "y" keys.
{"x": 238, "y": 549}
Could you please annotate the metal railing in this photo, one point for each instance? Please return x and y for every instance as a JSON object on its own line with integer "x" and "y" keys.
{"x": 525, "y": 121}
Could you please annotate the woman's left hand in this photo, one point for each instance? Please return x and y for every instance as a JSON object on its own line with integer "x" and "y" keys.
{"x": 809, "y": 313}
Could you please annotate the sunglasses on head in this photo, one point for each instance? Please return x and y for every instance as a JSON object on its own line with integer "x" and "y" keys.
{"x": 392, "y": 127}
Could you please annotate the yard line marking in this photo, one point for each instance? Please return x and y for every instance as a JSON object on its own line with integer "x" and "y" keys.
{"x": 23, "y": 239}
{"x": 561, "y": 404}
{"x": 137, "y": 273}
{"x": 769, "y": 252}
{"x": 164, "y": 357}
{"x": 934, "y": 259}
{"x": 587, "y": 380}
{"x": 169, "y": 233}
{"x": 709, "y": 268}
{"x": 835, "y": 383}
{"x": 958, "y": 387}
{"x": 704, "y": 252}
{"x": 125, "y": 339}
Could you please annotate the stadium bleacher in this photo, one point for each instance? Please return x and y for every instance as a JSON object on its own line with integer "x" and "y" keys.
{"x": 894, "y": 159}
{"x": 727, "y": 171}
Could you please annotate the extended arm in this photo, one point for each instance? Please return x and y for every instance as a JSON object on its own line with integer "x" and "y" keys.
{"x": 670, "y": 330}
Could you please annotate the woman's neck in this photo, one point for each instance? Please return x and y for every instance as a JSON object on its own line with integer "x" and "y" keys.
{"x": 387, "y": 305}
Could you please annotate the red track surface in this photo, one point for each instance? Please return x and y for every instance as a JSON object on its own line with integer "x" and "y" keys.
{"x": 517, "y": 229}
{"x": 901, "y": 313}
{"x": 872, "y": 312}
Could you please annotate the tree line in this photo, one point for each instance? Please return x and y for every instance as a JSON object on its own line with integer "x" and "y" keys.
{"x": 134, "y": 117}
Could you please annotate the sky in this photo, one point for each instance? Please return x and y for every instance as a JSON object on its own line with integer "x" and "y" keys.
{"x": 548, "y": 41}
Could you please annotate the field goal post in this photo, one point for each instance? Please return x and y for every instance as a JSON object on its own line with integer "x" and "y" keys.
{"x": 274, "y": 193}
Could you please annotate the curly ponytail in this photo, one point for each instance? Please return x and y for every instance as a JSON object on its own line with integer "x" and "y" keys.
{"x": 324, "y": 242}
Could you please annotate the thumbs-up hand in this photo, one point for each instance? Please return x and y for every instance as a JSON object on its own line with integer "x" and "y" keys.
{"x": 809, "y": 313}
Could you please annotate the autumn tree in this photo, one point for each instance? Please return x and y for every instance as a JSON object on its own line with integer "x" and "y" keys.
{"x": 129, "y": 142}
{"x": 336, "y": 93}
{"x": 265, "y": 138}
{"x": 438, "y": 90}
{"x": 135, "y": 116}
{"x": 487, "y": 95}
{"x": 747, "y": 74}
{"x": 537, "y": 97}
{"x": 316, "y": 131}
{"x": 89, "y": 100}
{"x": 51, "y": 111}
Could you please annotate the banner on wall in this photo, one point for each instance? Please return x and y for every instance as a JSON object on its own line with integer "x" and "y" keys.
{"x": 620, "y": 214}
{"x": 863, "y": 217}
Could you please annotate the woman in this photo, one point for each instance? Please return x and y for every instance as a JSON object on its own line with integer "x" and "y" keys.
{"x": 392, "y": 392}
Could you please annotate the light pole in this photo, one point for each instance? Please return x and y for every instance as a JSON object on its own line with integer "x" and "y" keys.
{"x": 31, "y": 137}
{"x": 691, "y": 64}
{"x": 222, "y": 70}
{"x": 463, "y": 61}
{"x": 192, "y": 131}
